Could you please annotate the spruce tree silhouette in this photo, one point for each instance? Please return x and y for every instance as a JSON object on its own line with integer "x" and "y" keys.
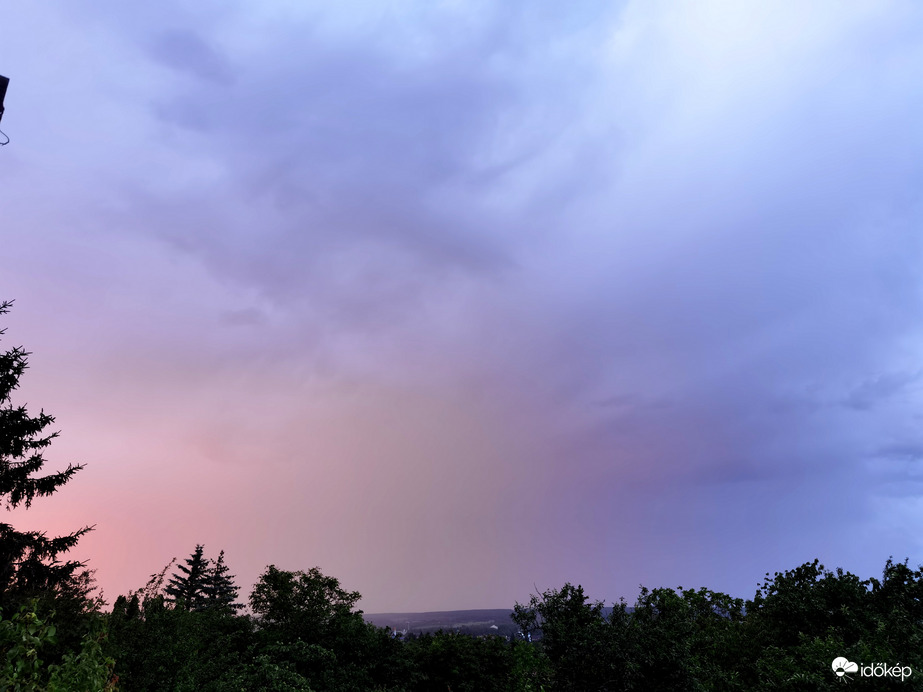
{"x": 30, "y": 563}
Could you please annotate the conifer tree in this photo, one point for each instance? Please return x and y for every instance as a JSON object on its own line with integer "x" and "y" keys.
{"x": 220, "y": 589}
{"x": 29, "y": 560}
{"x": 188, "y": 587}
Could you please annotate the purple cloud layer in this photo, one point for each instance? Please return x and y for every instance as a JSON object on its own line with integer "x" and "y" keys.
{"x": 454, "y": 300}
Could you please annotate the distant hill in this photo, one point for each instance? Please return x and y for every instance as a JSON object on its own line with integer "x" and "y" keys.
{"x": 473, "y": 622}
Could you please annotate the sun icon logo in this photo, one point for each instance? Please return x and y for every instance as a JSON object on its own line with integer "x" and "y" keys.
{"x": 842, "y": 666}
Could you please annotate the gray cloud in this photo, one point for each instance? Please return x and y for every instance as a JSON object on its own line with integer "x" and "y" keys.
{"x": 864, "y": 396}
{"x": 183, "y": 50}
{"x": 906, "y": 451}
{"x": 339, "y": 162}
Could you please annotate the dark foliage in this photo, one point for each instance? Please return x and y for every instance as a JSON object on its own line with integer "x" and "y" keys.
{"x": 220, "y": 589}
{"x": 310, "y": 615}
{"x": 203, "y": 584}
{"x": 187, "y": 589}
{"x": 30, "y": 561}
{"x": 306, "y": 634}
{"x": 36, "y": 582}
{"x": 575, "y": 637}
{"x": 451, "y": 661}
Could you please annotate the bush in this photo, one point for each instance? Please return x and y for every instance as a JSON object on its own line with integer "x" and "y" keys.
{"x": 24, "y": 640}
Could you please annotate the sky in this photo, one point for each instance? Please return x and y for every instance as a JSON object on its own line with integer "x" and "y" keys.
{"x": 461, "y": 301}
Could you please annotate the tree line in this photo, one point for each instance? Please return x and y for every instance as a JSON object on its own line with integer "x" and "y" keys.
{"x": 804, "y": 629}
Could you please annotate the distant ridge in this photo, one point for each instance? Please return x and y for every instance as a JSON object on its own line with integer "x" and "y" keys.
{"x": 475, "y": 622}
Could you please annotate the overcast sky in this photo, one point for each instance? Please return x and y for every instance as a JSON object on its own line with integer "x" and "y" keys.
{"x": 457, "y": 300}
